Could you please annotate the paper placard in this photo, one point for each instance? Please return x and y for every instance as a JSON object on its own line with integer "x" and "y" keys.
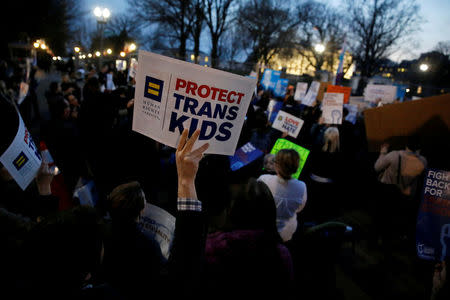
{"x": 121, "y": 64}
{"x": 311, "y": 95}
{"x": 22, "y": 158}
{"x": 244, "y": 155}
{"x": 288, "y": 123}
{"x": 300, "y": 90}
{"x": 340, "y": 89}
{"x": 303, "y": 152}
{"x": 281, "y": 87}
{"x": 157, "y": 224}
{"x": 172, "y": 95}
{"x": 270, "y": 79}
{"x": 387, "y": 93}
{"x": 332, "y": 106}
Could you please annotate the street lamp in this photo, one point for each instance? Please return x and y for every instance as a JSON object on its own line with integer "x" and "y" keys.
{"x": 122, "y": 54}
{"x": 36, "y": 44}
{"x": 320, "y": 48}
{"x": 132, "y": 47}
{"x": 424, "y": 67}
{"x": 97, "y": 53}
{"x": 102, "y": 15}
{"x": 109, "y": 51}
{"x": 77, "y": 49}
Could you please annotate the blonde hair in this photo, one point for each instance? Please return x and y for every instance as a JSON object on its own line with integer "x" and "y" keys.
{"x": 331, "y": 140}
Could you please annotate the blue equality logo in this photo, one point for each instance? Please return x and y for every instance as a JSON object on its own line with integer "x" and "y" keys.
{"x": 20, "y": 161}
{"x": 153, "y": 88}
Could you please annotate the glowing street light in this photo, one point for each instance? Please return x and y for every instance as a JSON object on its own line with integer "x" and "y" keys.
{"x": 424, "y": 67}
{"x": 319, "y": 48}
{"x": 122, "y": 54}
{"x": 36, "y": 44}
{"x": 54, "y": 58}
{"x": 89, "y": 55}
{"x": 77, "y": 49}
{"x": 43, "y": 46}
{"x": 97, "y": 53}
{"x": 132, "y": 47}
{"x": 109, "y": 51}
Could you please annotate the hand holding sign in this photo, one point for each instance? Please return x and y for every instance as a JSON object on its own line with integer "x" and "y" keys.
{"x": 187, "y": 164}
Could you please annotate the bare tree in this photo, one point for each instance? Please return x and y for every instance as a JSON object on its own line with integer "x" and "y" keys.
{"x": 267, "y": 25}
{"x": 319, "y": 24}
{"x": 123, "y": 24}
{"x": 443, "y": 47}
{"x": 217, "y": 17}
{"x": 197, "y": 26}
{"x": 176, "y": 16}
{"x": 376, "y": 26}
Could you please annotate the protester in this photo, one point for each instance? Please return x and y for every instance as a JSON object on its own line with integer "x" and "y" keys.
{"x": 289, "y": 193}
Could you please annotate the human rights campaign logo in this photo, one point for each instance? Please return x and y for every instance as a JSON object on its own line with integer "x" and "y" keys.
{"x": 20, "y": 161}
{"x": 153, "y": 88}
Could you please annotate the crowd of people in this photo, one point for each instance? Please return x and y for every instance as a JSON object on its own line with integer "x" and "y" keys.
{"x": 248, "y": 233}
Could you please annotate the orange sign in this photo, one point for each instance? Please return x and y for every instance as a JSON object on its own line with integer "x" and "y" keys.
{"x": 340, "y": 89}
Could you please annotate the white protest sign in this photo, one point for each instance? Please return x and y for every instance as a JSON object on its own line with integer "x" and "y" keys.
{"x": 23, "y": 92}
{"x": 311, "y": 95}
{"x": 133, "y": 68}
{"x": 288, "y": 123}
{"x": 121, "y": 64}
{"x": 332, "y": 105}
{"x": 22, "y": 158}
{"x": 300, "y": 90}
{"x": 157, "y": 224}
{"x": 387, "y": 93}
{"x": 172, "y": 95}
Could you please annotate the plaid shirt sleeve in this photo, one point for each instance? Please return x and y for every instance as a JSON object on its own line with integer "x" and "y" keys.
{"x": 189, "y": 204}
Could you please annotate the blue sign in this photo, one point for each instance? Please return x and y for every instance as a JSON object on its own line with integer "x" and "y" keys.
{"x": 433, "y": 221}
{"x": 401, "y": 91}
{"x": 281, "y": 87}
{"x": 244, "y": 155}
{"x": 269, "y": 79}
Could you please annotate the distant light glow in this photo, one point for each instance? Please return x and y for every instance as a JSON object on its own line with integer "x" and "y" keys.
{"x": 132, "y": 47}
{"x": 109, "y": 51}
{"x": 122, "y": 54}
{"x": 36, "y": 45}
{"x": 97, "y": 53}
{"x": 319, "y": 48}
{"x": 424, "y": 67}
{"x": 98, "y": 12}
{"x": 77, "y": 49}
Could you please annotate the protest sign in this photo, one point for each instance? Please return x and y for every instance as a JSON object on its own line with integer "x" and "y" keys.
{"x": 269, "y": 79}
{"x": 244, "y": 155}
{"x": 280, "y": 87}
{"x": 121, "y": 64}
{"x": 253, "y": 74}
{"x": 311, "y": 95}
{"x": 340, "y": 89}
{"x": 427, "y": 118}
{"x": 433, "y": 220}
{"x": 332, "y": 105}
{"x": 288, "y": 123}
{"x": 133, "y": 68}
{"x": 387, "y": 93}
{"x": 158, "y": 225}
{"x": 300, "y": 90}
{"x": 285, "y": 144}
{"x": 109, "y": 82}
{"x": 23, "y": 92}
{"x": 22, "y": 158}
{"x": 322, "y": 87}
{"x": 172, "y": 95}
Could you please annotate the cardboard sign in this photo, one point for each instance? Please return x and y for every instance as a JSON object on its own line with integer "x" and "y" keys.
{"x": 303, "y": 152}
{"x": 270, "y": 79}
{"x": 340, "y": 89}
{"x": 433, "y": 220}
{"x": 322, "y": 87}
{"x": 157, "y": 224}
{"x": 121, "y": 64}
{"x": 23, "y": 92}
{"x": 244, "y": 155}
{"x": 133, "y": 68}
{"x": 22, "y": 158}
{"x": 281, "y": 87}
{"x": 311, "y": 95}
{"x": 172, "y": 95}
{"x": 332, "y": 106}
{"x": 300, "y": 90}
{"x": 428, "y": 118}
{"x": 288, "y": 123}
{"x": 387, "y": 93}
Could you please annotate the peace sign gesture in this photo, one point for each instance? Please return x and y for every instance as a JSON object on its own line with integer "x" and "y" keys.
{"x": 187, "y": 164}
